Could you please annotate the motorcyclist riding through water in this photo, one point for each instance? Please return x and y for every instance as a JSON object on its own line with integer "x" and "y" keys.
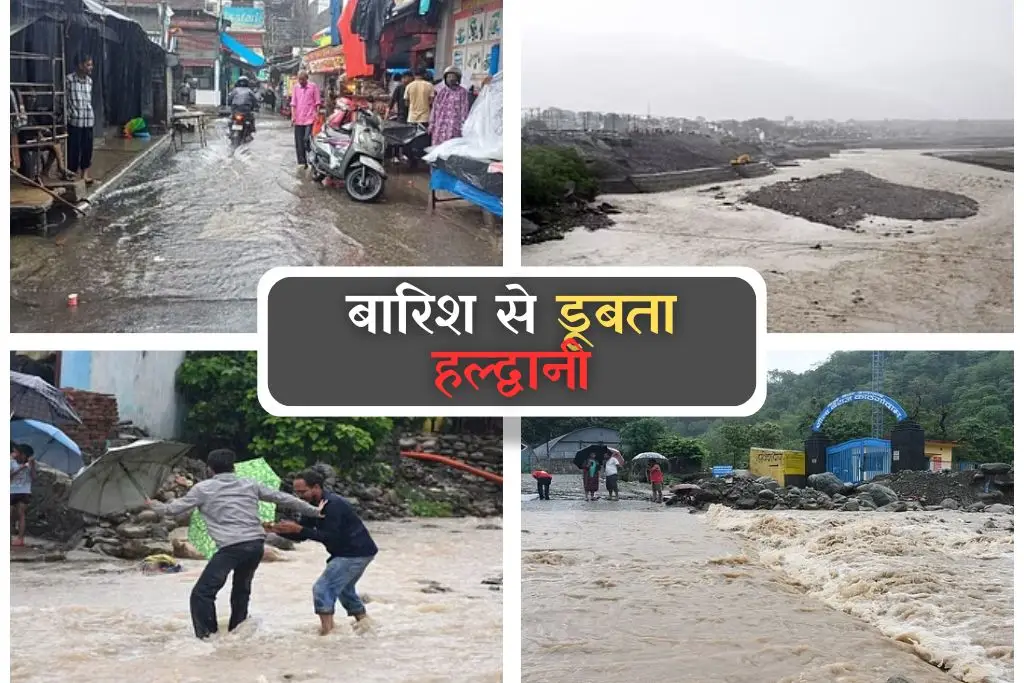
{"x": 242, "y": 99}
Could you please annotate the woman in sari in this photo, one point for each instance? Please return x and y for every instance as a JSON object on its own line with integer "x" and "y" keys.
{"x": 591, "y": 477}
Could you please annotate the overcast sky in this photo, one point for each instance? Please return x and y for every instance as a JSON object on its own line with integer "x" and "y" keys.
{"x": 796, "y": 361}
{"x": 867, "y": 59}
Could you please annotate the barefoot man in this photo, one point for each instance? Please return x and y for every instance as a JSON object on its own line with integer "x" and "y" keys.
{"x": 348, "y": 543}
{"x": 23, "y": 472}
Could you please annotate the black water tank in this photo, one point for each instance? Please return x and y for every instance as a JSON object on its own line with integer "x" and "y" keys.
{"x": 814, "y": 453}
{"x": 907, "y": 439}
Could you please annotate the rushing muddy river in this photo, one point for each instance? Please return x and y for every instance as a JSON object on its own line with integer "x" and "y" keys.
{"x": 98, "y": 621}
{"x": 879, "y": 278}
{"x": 645, "y": 593}
{"x": 181, "y": 243}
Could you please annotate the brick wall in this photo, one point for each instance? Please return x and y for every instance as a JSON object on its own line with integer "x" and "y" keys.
{"x": 99, "y": 420}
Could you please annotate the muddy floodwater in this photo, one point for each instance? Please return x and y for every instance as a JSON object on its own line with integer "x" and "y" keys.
{"x": 638, "y": 592}
{"x": 92, "y": 621}
{"x": 888, "y": 275}
{"x": 181, "y": 243}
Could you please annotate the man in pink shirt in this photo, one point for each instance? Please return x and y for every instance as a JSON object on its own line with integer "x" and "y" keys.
{"x": 305, "y": 102}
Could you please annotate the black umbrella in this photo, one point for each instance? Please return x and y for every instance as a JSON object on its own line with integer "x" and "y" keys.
{"x": 581, "y": 456}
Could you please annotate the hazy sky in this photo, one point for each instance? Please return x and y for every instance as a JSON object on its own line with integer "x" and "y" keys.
{"x": 747, "y": 58}
{"x": 796, "y": 361}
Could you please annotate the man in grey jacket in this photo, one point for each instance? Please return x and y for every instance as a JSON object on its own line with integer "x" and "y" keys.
{"x": 230, "y": 506}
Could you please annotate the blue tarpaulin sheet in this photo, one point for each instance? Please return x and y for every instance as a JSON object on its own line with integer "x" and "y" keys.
{"x": 244, "y": 53}
{"x": 446, "y": 182}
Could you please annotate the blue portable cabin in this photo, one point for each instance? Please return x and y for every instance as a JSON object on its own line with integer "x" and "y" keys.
{"x": 859, "y": 460}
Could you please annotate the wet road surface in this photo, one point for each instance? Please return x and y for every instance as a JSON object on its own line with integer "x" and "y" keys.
{"x": 181, "y": 243}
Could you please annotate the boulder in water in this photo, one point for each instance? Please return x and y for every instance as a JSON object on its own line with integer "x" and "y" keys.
{"x": 880, "y": 495}
{"x": 826, "y": 483}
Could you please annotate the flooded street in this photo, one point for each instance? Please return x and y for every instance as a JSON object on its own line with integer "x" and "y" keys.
{"x": 820, "y": 278}
{"x": 181, "y": 243}
{"x": 630, "y": 590}
{"x": 81, "y": 621}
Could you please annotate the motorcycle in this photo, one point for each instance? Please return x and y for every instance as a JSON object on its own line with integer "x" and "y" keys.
{"x": 406, "y": 140}
{"x": 240, "y": 128}
{"x": 353, "y": 154}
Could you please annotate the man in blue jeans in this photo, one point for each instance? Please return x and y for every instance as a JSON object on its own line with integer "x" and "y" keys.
{"x": 348, "y": 543}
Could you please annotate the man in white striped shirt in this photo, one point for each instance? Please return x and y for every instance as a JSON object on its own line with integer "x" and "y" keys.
{"x": 81, "y": 119}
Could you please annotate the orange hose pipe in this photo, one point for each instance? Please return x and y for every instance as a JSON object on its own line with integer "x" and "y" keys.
{"x": 456, "y": 464}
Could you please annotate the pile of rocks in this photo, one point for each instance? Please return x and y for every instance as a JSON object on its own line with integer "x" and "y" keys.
{"x": 138, "y": 534}
{"x": 828, "y": 492}
{"x": 135, "y": 535}
{"x": 990, "y": 483}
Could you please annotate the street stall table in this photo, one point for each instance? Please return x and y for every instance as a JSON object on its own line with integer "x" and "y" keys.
{"x": 191, "y": 122}
{"x": 470, "y": 167}
{"x": 472, "y": 180}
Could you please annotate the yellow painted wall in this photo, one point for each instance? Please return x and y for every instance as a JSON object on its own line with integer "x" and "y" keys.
{"x": 775, "y": 463}
{"x": 939, "y": 449}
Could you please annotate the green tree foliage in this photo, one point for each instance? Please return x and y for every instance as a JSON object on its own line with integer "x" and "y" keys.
{"x": 692, "y": 452}
{"x": 219, "y": 391}
{"x": 641, "y": 436}
{"x": 548, "y": 171}
{"x": 962, "y": 396}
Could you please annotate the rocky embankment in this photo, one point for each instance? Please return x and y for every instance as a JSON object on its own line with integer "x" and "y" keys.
{"x": 988, "y": 489}
{"x": 415, "y": 489}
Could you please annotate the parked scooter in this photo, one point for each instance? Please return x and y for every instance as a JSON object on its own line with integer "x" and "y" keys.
{"x": 351, "y": 153}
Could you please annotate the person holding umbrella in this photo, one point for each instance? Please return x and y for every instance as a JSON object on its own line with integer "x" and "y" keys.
{"x": 591, "y": 477}
{"x": 23, "y": 473}
{"x": 230, "y": 507}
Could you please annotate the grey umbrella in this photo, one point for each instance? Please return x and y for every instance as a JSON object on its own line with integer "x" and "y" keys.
{"x": 33, "y": 398}
{"x": 650, "y": 455}
{"x": 123, "y": 478}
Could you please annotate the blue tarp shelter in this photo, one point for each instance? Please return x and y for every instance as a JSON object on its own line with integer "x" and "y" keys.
{"x": 243, "y": 53}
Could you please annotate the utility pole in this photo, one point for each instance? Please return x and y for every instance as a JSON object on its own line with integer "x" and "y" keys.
{"x": 877, "y": 384}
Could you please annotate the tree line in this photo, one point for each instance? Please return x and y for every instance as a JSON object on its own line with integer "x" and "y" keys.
{"x": 961, "y": 396}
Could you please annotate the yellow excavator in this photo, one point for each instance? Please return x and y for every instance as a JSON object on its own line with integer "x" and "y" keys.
{"x": 741, "y": 160}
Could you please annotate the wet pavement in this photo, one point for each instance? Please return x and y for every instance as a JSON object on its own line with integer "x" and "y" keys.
{"x": 181, "y": 243}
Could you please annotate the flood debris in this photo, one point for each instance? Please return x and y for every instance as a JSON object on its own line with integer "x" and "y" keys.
{"x": 843, "y": 199}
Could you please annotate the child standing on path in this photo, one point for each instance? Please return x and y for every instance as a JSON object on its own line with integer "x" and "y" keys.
{"x": 657, "y": 478}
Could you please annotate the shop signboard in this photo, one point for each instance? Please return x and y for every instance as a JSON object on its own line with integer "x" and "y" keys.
{"x": 326, "y": 60}
{"x": 244, "y": 19}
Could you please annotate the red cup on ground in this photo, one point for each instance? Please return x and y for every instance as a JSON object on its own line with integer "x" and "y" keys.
{"x": 72, "y": 300}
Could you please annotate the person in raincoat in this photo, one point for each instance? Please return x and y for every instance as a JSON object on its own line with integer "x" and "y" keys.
{"x": 230, "y": 507}
{"x": 450, "y": 108}
{"x": 657, "y": 479}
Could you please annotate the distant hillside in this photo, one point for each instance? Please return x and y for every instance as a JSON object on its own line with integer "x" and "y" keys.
{"x": 962, "y": 396}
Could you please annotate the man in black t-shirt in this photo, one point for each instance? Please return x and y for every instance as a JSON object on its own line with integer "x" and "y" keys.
{"x": 398, "y": 101}
{"x": 349, "y": 546}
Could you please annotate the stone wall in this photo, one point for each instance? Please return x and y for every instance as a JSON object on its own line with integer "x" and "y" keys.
{"x": 99, "y": 419}
{"x": 416, "y": 488}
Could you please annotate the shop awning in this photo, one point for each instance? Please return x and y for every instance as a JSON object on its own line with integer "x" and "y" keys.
{"x": 247, "y": 55}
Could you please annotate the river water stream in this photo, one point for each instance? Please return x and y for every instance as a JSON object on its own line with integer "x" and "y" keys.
{"x": 639, "y": 592}
{"x": 98, "y": 621}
